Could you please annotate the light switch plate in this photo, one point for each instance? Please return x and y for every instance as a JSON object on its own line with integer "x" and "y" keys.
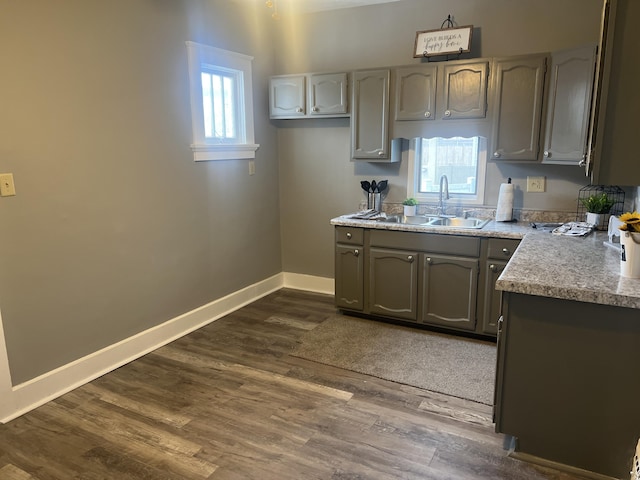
{"x": 7, "y": 187}
{"x": 536, "y": 184}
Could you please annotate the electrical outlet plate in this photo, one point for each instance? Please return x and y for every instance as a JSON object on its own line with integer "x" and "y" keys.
{"x": 7, "y": 187}
{"x": 536, "y": 184}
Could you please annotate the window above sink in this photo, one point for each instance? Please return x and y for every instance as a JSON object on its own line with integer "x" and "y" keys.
{"x": 461, "y": 159}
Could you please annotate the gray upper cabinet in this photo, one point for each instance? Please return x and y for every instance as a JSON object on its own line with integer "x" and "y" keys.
{"x": 569, "y": 106}
{"x": 328, "y": 94}
{"x": 370, "y": 115}
{"x": 616, "y": 138}
{"x": 465, "y": 90}
{"x": 287, "y": 95}
{"x": 458, "y": 89}
{"x": 416, "y": 93}
{"x": 518, "y": 86}
{"x": 308, "y": 95}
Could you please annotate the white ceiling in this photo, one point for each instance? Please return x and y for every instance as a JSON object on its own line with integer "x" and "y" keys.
{"x": 308, "y": 6}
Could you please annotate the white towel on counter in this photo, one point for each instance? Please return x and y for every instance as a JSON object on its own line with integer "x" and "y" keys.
{"x": 574, "y": 229}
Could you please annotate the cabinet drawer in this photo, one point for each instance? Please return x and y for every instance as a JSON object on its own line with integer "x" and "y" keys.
{"x": 502, "y": 248}
{"x": 349, "y": 235}
{"x": 427, "y": 242}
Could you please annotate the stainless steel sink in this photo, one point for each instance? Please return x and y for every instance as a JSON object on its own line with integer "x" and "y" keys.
{"x": 437, "y": 221}
{"x": 459, "y": 222}
{"x": 411, "y": 220}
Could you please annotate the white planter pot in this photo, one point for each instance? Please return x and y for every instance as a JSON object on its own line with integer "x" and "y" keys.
{"x": 630, "y": 255}
{"x": 594, "y": 218}
{"x": 409, "y": 210}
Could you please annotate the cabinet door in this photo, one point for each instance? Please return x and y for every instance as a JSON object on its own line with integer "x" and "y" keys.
{"x": 518, "y": 90}
{"x": 616, "y": 127}
{"x": 328, "y": 94}
{"x": 465, "y": 90}
{"x": 569, "y": 105}
{"x": 492, "y": 297}
{"x": 370, "y": 116}
{"x": 393, "y": 283}
{"x": 287, "y": 96}
{"x": 416, "y": 93}
{"x": 349, "y": 289}
{"x": 449, "y": 291}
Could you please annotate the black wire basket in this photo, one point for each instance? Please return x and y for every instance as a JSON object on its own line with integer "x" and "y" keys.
{"x": 614, "y": 193}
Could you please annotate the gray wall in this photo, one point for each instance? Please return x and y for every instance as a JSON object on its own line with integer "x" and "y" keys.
{"x": 318, "y": 179}
{"x": 115, "y": 228}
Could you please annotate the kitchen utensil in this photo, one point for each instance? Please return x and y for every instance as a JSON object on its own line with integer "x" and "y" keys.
{"x": 366, "y": 186}
{"x": 382, "y": 185}
{"x": 373, "y": 186}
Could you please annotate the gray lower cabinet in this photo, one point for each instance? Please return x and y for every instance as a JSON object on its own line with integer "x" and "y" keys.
{"x": 349, "y": 268}
{"x": 567, "y": 382}
{"x": 492, "y": 297}
{"x": 517, "y": 108}
{"x": 449, "y": 289}
{"x": 393, "y": 283}
{"x": 499, "y": 251}
{"x": 447, "y": 281}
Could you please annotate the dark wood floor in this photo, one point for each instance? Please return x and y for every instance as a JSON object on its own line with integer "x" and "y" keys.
{"x": 228, "y": 402}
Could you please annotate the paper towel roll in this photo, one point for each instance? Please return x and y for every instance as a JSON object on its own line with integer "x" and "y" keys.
{"x": 504, "y": 210}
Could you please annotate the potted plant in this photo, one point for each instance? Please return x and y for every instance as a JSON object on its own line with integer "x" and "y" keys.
{"x": 597, "y": 205}
{"x": 630, "y": 244}
{"x": 409, "y": 206}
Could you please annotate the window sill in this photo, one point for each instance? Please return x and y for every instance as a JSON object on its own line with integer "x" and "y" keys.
{"x": 203, "y": 153}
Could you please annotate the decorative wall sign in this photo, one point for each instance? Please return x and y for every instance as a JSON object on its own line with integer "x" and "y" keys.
{"x": 447, "y": 41}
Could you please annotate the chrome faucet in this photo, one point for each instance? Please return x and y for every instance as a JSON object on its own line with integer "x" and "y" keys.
{"x": 444, "y": 194}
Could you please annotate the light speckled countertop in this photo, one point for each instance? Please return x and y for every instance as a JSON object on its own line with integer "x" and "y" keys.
{"x": 570, "y": 268}
{"x": 492, "y": 229}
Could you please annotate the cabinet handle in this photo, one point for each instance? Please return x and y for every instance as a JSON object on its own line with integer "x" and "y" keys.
{"x": 582, "y": 163}
{"x": 500, "y": 322}
{"x": 427, "y": 114}
{"x": 381, "y": 153}
{"x": 349, "y": 235}
{"x": 299, "y": 110}
{"x": 506, "y": 251}
{"x": 447, "y": 113}
{"x": 497, "y": 154}
{"x": 356, "y": 252}
{"x": 428, "y": 259}
{"x": 547, "y": 154}
{"x": 410, "y": 258}
{"x": 492, "y": 267}
{"x": 315, "y": 109}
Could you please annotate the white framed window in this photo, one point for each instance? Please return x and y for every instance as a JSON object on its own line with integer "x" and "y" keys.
{"x": 462, "y": 159}
{"x": 220, "y": 85}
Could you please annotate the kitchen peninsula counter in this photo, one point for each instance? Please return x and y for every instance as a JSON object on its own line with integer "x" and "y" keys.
{"x": 570, "y": 268}
{"x": 567, "y": 381}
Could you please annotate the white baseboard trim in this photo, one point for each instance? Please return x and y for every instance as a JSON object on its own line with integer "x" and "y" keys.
{"x": 50, "y": 385}
{"x": 20, "y": 399}
{"x": 309, "y": 283}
